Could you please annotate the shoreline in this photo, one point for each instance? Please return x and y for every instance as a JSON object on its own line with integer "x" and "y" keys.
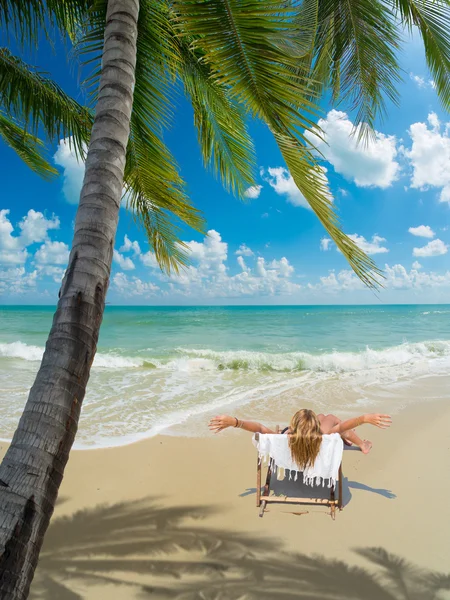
{"x": 201, "y": 491}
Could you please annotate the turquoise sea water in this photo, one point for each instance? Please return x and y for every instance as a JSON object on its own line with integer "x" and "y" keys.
{"x": 167, "y": 369}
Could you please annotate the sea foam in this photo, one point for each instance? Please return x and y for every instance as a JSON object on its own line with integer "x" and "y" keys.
{"x": 191, "y": 360}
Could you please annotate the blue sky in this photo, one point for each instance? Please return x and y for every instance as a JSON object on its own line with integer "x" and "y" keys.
{"x": 393, "y": 196}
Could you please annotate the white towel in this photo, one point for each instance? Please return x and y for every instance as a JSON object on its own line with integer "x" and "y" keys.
{"x": 276, "y": 448}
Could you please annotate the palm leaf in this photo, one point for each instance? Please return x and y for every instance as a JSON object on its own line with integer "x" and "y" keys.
{"x": 355, "y": 55}
{"x": 432, "y": 17}
{"x": 27, "y": 146}
{"x": 26, "y": 18}
{"x": 240, "y": 40}
{"x": 222, "y": 133}
{"x": 37, "y": 101}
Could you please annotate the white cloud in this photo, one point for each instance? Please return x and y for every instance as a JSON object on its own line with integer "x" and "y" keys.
{"x": 52, "y": 253}
{"x": 129, "y": 246}
{"x": 429, "y": 156}
{"x": 282, "y": 266}
{"x": 244, "y": 250}
{"x": 241, "y": 263}
{"x": 370, "y": 164}
{"x": 416, "y": 265}
{"x": 133, "y": 286}
{"x": 369, "y": 247}
{"x": 265, "y": 215}
{"x": 422, "y": 231}
{"x": 397, "y": 277}
{"x": 345, "y": 280}
{"x": 253, "y": 191}
{"x": 325, "y": 244}
{"x": 124, "y": 262}
{"x": 33, "y": 228}
{"x": 283, "y": 183}
{"x": 208, "y": 276}
{"x": 56, "y": 273}
{"x": 149, "y": 260}
{"x": 16, "y": 281}
{"x": 73, "y": 170}
{"x": 419, "y": 81}
{"x": 434, "y": 248}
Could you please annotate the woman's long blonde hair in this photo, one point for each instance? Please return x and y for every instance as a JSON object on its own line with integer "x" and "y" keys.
{"x": 305, "y": 438}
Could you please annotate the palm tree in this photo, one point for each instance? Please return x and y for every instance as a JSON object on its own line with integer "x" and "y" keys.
{"x": 235, "y": 58}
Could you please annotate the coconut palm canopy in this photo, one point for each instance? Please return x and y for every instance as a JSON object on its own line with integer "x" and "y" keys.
{"x": 235, "y": 60}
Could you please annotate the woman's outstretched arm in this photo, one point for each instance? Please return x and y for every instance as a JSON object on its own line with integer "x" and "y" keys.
{"x": 218, "y": 424}
{"x": 381, "y": 421}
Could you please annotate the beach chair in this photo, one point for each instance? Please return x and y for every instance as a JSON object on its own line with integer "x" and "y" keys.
{"x": 262, "y": 499}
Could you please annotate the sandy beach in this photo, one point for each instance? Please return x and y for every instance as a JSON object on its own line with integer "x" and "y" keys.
{"x": 174, "y": 517}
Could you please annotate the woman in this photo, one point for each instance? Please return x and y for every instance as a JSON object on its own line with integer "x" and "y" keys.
{"x": 306, "y": 429}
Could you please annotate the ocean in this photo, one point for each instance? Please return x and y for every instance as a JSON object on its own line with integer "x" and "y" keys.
{"x": 168, "y": 369}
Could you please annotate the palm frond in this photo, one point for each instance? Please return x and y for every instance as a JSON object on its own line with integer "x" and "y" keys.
{"x": 355, "y": 56}
{"x": 155, "y": 191}
{"x": 222, "y": 133}
{"x": 432, "y": 18}
{"x": 155, "y": 194}
{"x": 26, "y": 19}
{"x": 237, "y": 38}
{"x": 27, "y": 146}
{"x": 37, "y": 101}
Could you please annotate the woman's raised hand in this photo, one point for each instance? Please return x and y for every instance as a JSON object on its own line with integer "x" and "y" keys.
{"x": 217, "y": 424}
{"x": 381, "y": 421}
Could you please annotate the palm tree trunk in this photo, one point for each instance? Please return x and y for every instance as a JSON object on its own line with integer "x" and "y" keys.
{"x": 33, "y": 467}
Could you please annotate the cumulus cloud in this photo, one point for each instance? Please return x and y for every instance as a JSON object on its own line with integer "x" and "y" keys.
{"x": 370, "y": 164}
{"x": 17, "y": 281}
{"x": 124, "y": 262}
{"x": 33, "y": 228}
{"x": 129, "y": 246}
{"x": 422, "y": 231}
{"x": 244, "y": 250}
{"x": 369, "y": 247}
{"x": 73, "y": 170}
{"x": 148, "y": 259}
{"x": 397, "y": 277}
{"x": 133, "y": 286}
{"x": 423, "y": 83}
{"x": 52, "y": 253}
{"x": 209, "y": 277}
{"x": 434, "y": 248}
{"x": 429, "y": 156}
{"x": 283, "y": 183}
{"x": 253, "y": 191}
{"x": 416, "y": 265}
{"x": 325, "y": 244}
{"x": 55, "y": 273}
{"x": 333, "y": 283}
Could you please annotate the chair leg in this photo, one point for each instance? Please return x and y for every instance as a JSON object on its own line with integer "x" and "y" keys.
{"x": 258, "y": 482}
{"x": 341, "y": 499}
{"x": 263, "y": 507}
{"x": 332, "y": 504}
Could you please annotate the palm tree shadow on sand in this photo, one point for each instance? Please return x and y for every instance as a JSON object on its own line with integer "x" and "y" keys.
{"x": 133, "y": 543}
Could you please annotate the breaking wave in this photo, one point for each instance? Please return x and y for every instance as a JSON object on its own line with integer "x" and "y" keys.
{"x": 192, "y": 360}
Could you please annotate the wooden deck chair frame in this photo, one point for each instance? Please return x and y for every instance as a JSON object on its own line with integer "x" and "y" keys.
{"x": 263, "y": 499}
